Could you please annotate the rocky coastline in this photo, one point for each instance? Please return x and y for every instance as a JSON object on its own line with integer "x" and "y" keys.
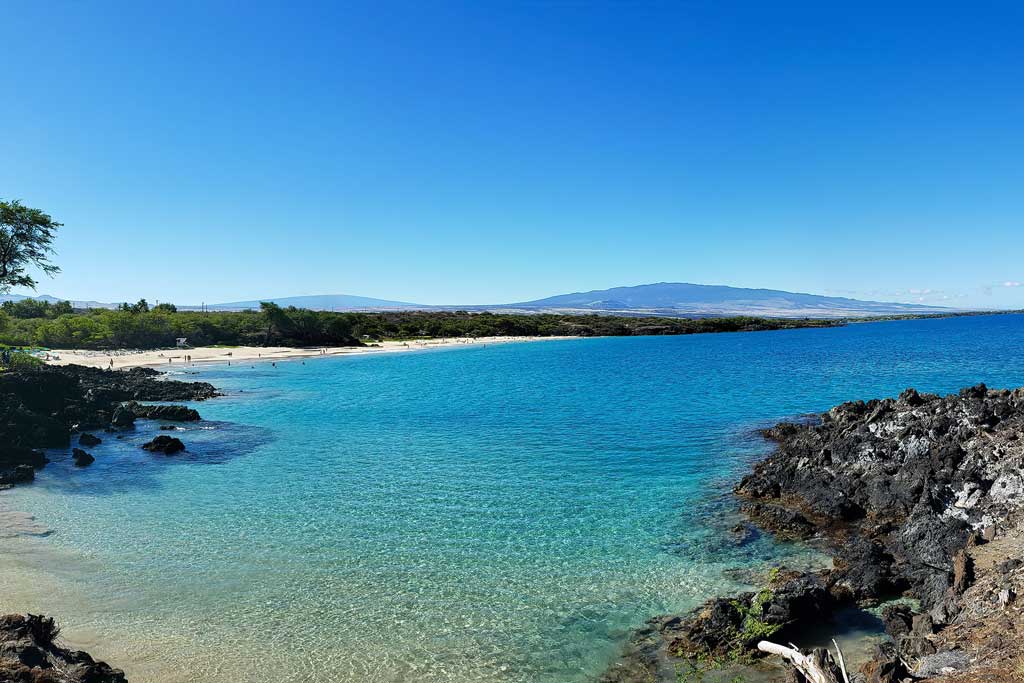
{"x": 918, "y": 501}
{"x": 44, "y": 408}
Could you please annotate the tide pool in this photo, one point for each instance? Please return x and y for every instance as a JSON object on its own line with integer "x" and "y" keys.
{"x": 498, "y": 514}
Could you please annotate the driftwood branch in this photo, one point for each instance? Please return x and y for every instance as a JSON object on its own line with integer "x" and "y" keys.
{"x": 842, "y": 662}
{"x": 816, "y": 667}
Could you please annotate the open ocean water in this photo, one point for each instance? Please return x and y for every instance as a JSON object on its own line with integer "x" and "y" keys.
{"x": 504, "y": 513}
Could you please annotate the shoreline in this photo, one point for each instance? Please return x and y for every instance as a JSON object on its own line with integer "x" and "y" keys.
{"x": 174, "y": 357}
{"x": 955, "y": 563}
{"x": 916, "y": 499}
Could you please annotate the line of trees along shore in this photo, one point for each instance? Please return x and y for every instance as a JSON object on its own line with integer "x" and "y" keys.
{"x": 32, "y": 323}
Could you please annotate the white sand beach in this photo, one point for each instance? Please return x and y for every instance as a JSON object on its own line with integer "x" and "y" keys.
{"x": 128, "y": 358}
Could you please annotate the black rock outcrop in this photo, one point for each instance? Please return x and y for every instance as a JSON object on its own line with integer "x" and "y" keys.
{"x": 171, "y": 413}
{"x": 41, "y": 408}
{"x": 123, "y": 417}
{"x": 29, "y": 653}
{"x": 89, "y": 440}
{"x": 898, "y": 486}
{"x": 898, "y": 490}
{"x": 81, "y": 458}
{"x": 168, "y": 445}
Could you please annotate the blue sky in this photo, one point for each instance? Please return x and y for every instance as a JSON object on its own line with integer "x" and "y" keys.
{"x": 490, "y": 152}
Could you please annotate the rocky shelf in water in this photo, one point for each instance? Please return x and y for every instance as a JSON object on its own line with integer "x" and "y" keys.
{"x": 915, "y": 497}
{"x": 41, "y": 408}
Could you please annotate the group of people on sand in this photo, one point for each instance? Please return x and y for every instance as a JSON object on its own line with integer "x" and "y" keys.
{"x": 324, "y": 351}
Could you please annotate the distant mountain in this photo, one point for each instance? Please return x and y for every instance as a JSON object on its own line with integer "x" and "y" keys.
{"x": 674, "y": 299}
{"x": 320, "y": 302}
{"x": 677, "y": 299}
{"x": 54, "y": 300}
{"x": 681, "y": 298}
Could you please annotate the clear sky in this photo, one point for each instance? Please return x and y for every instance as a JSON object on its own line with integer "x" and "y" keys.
{"x": 486, "y": 152}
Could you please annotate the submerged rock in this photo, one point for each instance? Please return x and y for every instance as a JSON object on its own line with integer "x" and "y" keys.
{"x": 81, "y": 458}
{"x": 168, "y": 445}
{"x": 785, "y": 524}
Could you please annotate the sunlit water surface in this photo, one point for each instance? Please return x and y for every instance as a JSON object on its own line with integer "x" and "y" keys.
{"x": 483, "y": 514}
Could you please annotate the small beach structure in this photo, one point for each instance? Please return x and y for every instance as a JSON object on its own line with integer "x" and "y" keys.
{"x": 182, "y": 343}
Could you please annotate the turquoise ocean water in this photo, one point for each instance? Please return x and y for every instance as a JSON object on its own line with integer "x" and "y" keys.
{"x": 498, "y": 514}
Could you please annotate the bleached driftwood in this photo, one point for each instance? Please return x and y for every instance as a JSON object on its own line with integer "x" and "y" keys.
{"x": 816, "y": 667}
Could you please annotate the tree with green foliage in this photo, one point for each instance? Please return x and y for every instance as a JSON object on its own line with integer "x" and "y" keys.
{"x": 141, "y": 306}
{"x": 56, "y": 326}
{"x": 26, "y": 240}
{"x": 278, "y": 321}
{"x": 34, "y": 308}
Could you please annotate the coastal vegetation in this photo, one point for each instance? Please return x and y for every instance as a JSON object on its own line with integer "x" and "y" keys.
{"x": 26, "y": 240}
{"x": 33, "y": 323}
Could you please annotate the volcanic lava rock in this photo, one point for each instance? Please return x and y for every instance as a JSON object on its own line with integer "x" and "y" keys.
{"x": 81, "y": 458}
{"x": 40, "y": 407}
{"x": 900, "y": 491}
{"x": 29, "y": 653}
{"x": 168, "y": 445}
{"x": 89, "y": 440}
{"x": 123, "y": 417}
{"x": 900, "y": 485}
{"x": 20, "y": 474}
{"x": 171, "y": 413}
{"x": 784, "y": 523}
{"x": 897, "y": 620}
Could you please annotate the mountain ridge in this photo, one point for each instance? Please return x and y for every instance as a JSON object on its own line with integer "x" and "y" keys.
{"x": 319, "y": 302}
{"x": 673, "y": 299}
{"x": 693, "y": 298}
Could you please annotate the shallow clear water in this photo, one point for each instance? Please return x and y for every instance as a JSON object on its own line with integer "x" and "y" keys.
{"x": 505, "y": 513}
